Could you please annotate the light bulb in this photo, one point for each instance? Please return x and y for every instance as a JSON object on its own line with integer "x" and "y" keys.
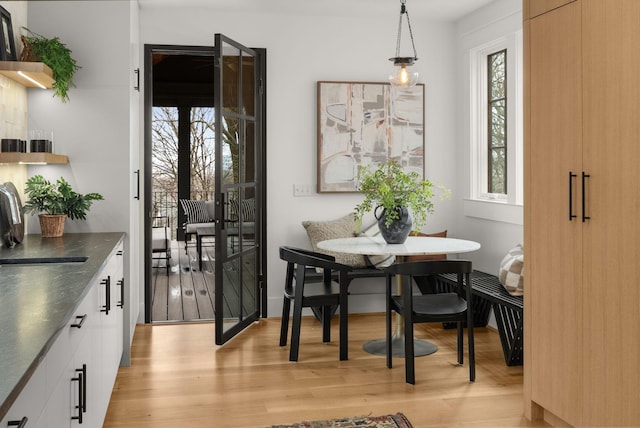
{"x": 401, "y": 76}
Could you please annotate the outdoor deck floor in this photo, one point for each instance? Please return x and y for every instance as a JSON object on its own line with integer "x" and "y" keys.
{"x": 186, "y": 293}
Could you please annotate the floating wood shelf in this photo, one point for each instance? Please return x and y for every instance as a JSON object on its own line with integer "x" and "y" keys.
{"x": 32, "y": 158}
{"x": 28, "y": 74}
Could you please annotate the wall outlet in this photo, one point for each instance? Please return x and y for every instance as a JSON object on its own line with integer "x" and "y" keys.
{"x": 302, "y": 190}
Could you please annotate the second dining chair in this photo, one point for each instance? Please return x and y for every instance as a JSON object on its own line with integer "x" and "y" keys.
{"x": 437, "y": 307}
{"x": 323, "y": 297}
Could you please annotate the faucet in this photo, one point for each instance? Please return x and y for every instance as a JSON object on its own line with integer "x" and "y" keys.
{"x": 14, "y": 206}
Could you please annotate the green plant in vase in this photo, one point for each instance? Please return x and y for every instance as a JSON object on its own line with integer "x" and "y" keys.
{"x": 57, "y": 200}
{"x": 54, "y": 54}
{"x": 391, "y": 192}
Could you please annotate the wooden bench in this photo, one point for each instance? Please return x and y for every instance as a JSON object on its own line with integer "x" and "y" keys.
{"x": 507, "y": 310}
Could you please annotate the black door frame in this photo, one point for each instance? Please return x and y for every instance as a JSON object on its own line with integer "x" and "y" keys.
{"x": 147, "y": 165}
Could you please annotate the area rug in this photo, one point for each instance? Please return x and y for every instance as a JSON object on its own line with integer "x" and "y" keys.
{"x": 387, "y": 421}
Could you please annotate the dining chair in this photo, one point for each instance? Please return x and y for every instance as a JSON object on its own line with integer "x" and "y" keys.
{"x": 437, "y": 307}
{"x": 323, "y": 296}
{"x": 161, "y": 241}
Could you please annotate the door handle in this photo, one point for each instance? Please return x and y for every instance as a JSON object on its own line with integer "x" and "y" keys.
{"x": 571, "y": 177}
{"x": 20, "y": 424}
{"x": 585, "y": 217}
{"x": 107, "y": 306}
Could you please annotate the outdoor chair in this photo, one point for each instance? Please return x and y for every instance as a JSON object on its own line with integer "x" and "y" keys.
{"x": 161, "y": 241}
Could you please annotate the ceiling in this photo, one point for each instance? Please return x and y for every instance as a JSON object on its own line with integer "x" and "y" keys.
{"x": 441, "y": 10}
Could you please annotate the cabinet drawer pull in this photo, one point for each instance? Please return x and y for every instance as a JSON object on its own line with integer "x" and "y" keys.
{"x": 20, "y": 424}
{"x": 82, "y": 319}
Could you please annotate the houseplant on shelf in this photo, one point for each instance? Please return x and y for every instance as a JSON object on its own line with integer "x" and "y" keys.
{"x": 391, "y": 192}
{"x": 56, "y": 55}
{"x": 54, "y": 202}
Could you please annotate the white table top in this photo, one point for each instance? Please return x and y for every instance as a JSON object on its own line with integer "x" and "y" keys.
{"x": 414, "y": 245}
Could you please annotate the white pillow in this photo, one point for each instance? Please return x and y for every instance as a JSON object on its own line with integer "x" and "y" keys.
{"x": 511, "y": 273}
{"x": 380, "y": 261}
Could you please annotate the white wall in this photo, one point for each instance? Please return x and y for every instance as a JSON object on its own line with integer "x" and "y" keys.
{"x": 496, "y": 237}
{"x": 95, "y": 127}
{"x": 300, "y": 51}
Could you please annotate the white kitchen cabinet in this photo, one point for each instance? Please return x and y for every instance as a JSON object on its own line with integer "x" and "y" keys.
{"x": 72, "y": 385}
{"x": 30, "y": 403}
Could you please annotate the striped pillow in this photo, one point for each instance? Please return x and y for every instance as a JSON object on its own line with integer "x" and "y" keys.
{"x": 248, "y": 210}
{"x": 196, "y": 211}
{"x": 379, "y": 261}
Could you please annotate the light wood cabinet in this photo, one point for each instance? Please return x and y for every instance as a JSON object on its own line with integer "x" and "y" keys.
{"x": 582, "y": 348}
{"x": 534, "y": 8}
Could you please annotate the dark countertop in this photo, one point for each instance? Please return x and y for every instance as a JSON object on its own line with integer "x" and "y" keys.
{"x": 36, "y": 301}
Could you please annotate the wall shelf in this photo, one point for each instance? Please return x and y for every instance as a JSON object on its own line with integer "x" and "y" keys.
{"x": 32, "y": 158}
{"x": 29, "y": 74}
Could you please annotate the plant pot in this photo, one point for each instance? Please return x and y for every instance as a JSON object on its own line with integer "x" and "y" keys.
{"x": 398, "y": 230}
{"x": 52, "y": 226}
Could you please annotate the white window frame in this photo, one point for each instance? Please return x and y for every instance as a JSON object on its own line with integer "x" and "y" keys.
{"x": 479, "y": 133}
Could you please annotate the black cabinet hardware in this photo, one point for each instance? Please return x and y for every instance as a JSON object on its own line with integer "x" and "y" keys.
{"x": 107, "y": 306}
{"x": 585, "y": 217}
{"x": 121, "y": 302}
{"x": 80, "y": 378}
{"x": 78, "y": 324}
{"x": 571, "y": 177}
{"x": 137, "y": 173}
{"x": 20, "y": 424}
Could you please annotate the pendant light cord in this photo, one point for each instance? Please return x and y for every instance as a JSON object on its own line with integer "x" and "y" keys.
{"x": 404, "y": 11}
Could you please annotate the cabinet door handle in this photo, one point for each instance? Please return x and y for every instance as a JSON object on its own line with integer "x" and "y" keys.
{"x": 585, "y": 217}
{"x": 137, "y": 173}
{"x": 20, "y": 424}
{"x": 121, "y": 302}
{"x": 107, "y": 306}
{"x": 80, "y": 381}
{"x": 78, "y": 324}
{"x": 571, "y": 177}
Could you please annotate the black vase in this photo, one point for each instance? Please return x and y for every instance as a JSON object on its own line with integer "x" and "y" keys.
{"x": 398, "y": 230}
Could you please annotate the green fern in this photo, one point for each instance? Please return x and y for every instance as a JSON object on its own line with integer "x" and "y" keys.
{"x": 57, "y": 56}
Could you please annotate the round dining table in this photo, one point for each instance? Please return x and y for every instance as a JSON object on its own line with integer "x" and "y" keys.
{"x": 413, "y": 246}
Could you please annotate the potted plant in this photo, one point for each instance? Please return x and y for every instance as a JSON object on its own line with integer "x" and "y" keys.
{"x": 54, "y": 202}
{"x": 54, "y": 54}
{"x": 391, "y": 192}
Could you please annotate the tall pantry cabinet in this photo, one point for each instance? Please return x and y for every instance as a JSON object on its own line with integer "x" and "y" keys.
{"x": 582, "y": 211}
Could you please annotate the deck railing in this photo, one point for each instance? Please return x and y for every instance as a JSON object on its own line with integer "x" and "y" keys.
{"x": 165, "y": 204}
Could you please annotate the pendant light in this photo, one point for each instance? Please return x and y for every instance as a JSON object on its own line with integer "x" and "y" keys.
{"x": 402, "y": 74}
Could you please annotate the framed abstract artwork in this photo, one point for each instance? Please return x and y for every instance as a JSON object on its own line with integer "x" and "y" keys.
{"x": 362, "y": 124}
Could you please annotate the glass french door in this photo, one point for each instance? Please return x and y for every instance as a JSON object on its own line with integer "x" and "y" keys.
{"x": 238, "y": 180}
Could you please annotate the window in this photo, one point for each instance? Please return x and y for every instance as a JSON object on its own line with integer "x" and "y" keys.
{"x": 496, "y": 121}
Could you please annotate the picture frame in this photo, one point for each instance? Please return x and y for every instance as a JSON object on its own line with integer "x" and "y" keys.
{"x": 363, "y": 124}
{"x": 7, "y": 43}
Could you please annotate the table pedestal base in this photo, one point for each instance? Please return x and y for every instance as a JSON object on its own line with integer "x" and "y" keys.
{"x": 379, "y": 347}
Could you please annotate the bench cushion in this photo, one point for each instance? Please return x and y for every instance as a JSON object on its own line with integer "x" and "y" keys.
{"x": 343, "y": 227}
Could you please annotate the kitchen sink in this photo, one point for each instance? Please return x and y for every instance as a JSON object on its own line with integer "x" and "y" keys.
{"x": 42, "y": 260}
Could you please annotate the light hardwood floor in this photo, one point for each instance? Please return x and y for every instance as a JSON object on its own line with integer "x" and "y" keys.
{"x": 180, "y": 378}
